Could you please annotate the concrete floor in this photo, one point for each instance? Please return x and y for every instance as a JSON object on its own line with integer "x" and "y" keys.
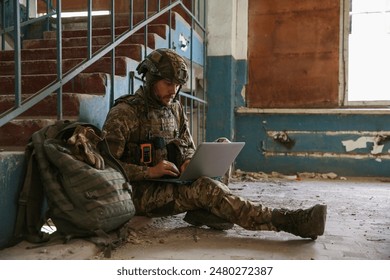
{"x": 358, "y": 228}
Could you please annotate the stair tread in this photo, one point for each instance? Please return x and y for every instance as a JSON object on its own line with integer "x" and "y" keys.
{"x": 81, "y": 41}
{"x": 121, "y": 19}
{"x": 49, "y": 66}
{"x": 24, "y": 128}
{"x": 4, "y": 149}
{"x": 159, "y": 29}
{"x": 83, "y": 83}
{"x": 133, "y": 51}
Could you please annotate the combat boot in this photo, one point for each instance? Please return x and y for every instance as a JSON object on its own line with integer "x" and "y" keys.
{"x": 202, "y": 217}
{"x": 306, "y": 223}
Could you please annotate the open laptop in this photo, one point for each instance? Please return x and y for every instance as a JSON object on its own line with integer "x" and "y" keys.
{"x": 211, "y": 159}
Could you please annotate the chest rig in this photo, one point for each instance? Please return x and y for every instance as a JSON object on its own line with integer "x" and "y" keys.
{"x": 155, "y": 129}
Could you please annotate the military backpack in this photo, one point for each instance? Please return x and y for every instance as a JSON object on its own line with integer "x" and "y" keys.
{"x": 74, "y": 182}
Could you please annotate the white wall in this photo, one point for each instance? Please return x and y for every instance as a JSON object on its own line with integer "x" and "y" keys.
{"x": 227, "y": 28}
{"x": 33, "y": 7}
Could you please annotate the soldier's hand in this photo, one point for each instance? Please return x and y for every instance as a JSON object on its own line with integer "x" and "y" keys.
{"x": 163, "y": 168}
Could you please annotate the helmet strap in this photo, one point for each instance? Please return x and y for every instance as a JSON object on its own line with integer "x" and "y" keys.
{"x": 177, "y": 93}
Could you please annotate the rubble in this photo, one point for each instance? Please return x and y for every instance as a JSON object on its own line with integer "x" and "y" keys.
{"x": 244, "y": 176}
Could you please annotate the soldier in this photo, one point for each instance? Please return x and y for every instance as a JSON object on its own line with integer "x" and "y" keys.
{"x": 148, "y": 133}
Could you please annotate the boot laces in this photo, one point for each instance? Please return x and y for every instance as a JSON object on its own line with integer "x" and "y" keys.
{"x": 298, "y": 216}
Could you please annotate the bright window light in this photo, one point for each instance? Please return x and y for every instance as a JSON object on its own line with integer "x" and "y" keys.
{"x": 83, "y": 14}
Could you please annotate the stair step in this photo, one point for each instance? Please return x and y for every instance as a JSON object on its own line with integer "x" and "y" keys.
{"x": 139, "y": 6}
{"x": 82, "y": 41}
{"x": 18, "y": 131}
{"x": 47, "y": 107}
{"x": 159, "y": 29}
{"x": 12, "y": 149}
{"x": 123, "y": 19}
{"x": 133, "y": 51}
{"x": 93, "y": 83}
{"x": 50, "y": 66}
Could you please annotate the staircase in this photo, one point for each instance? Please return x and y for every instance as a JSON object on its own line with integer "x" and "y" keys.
{"x": 39, "y": 68}
{"x": 85, "y": 98}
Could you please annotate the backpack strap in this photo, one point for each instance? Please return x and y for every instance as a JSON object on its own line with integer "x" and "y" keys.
{"x": 28, "y": 220}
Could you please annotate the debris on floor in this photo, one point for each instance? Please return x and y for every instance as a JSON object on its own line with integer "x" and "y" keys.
{"x": 357, "y": 226}
{"x": 239, "y": 176}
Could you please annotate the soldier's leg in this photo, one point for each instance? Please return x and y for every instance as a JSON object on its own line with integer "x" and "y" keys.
{"x": 154, "y": 199}
{"x": 202, "y": 217}
{"x": 216, "y": 198}
{"x": 160, "y": 199}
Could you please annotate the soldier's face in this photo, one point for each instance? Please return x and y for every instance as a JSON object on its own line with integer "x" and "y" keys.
{"x": 165, "y": 91}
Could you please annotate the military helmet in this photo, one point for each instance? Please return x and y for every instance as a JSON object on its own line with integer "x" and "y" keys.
{"x": 165, "y": 64}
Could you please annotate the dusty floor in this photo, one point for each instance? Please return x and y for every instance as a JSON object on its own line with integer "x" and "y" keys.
{"x": 358, "y": 227}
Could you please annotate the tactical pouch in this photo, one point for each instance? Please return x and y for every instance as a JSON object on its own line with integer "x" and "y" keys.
{"x": 158, "y": 142}
{"x": 174, "y": 154}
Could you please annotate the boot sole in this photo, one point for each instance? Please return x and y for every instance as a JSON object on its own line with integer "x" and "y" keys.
{"x": 319, "y": 214}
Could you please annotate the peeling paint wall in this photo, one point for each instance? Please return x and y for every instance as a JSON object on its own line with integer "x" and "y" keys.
{"x": 346, "y": 144}
{"x": 363, "y": 143}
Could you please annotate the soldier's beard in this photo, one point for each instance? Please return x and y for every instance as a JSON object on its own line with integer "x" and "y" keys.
{"x": 166, "y": 100}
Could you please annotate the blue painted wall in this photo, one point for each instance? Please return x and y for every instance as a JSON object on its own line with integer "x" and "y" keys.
{"x": 226, "y": 78}
{"x": 319, "y": 143}
{"x": 318, "y": 136}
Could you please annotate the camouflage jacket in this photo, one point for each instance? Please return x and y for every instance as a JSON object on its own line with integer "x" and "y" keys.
{"x": 138, "y": 119}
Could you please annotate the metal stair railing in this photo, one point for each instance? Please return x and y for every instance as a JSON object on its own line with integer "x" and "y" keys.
{"x": 21, "y": 106}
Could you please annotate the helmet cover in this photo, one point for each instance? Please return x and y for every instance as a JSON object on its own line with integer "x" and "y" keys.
{"x": 164, "y": 64}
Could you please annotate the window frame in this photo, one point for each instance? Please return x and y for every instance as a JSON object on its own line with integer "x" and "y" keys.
{"x": 345, "y": 19}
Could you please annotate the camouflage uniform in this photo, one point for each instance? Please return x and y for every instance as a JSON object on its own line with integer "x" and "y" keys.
{"x": 140, "y": 118}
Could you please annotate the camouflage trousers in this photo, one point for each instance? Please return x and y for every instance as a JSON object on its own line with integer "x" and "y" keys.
{"x": 156, "y": 199}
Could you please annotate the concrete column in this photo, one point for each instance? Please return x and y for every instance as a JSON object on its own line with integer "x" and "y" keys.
{"x": 227, "y": 23}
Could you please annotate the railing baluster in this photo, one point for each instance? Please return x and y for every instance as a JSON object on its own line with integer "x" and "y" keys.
{"x": 48, "y": 7}
{"x": 170, "y": 26}
{"x": 3, "y": 25}
{"x": 27, "y": 10}
{"x": 59, "y": 60}
{"x": 191, "y": 66}
{"x": 112, "y": 91}
{"x": 89, "y": 30}
{"x": 131, "y": 24}
{"x": 17, "y": 49}
{"x": 146, "y": 28}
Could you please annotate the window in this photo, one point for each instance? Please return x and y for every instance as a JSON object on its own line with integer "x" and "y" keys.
{"x": 368, "y": 52}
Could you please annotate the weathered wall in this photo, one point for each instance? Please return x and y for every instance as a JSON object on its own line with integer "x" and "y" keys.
{"x": 346, "y": 142}
{"x": 226, "y": 64}
{"x": 293, "y": 53}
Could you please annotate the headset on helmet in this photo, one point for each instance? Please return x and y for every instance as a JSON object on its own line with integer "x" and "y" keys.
{"x": 164, "y": 63}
